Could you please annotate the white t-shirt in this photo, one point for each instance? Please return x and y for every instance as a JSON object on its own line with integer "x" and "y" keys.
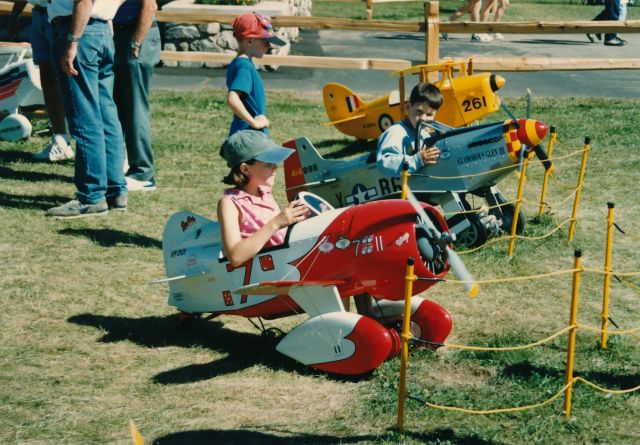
{"x": 102, "y": 9}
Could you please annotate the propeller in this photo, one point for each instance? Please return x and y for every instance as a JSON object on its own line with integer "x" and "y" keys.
{"x": 455, "y": 262}
{"x": 523, "y": 136}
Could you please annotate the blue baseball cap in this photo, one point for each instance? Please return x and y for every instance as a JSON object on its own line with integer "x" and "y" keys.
{"x": 245, "y": 145}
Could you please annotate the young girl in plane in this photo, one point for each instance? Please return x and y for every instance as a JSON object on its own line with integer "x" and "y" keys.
{"x": 249, "y": 216}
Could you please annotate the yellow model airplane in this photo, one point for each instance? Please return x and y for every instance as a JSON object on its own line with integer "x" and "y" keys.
{"x": 467, "y": 98}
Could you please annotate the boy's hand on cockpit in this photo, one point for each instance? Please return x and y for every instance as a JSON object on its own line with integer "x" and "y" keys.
{"x": 429, "y": 155}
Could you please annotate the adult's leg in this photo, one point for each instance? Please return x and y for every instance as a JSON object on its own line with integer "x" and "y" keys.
{"x": 501, "y": 8}
{"x": 113, "y": 141}
{"x": 80, "y": 98}
{"x": 614, "y": 9}
{"x": 132, "y": 86}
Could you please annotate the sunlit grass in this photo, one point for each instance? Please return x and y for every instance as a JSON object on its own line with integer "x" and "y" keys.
{"x": 86, "y": 343}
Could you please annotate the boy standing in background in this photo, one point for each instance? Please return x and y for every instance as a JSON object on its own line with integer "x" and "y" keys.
{"x": 246, "y": 96}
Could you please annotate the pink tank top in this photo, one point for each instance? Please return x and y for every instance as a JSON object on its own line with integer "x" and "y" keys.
{"x": 255, "y": 212}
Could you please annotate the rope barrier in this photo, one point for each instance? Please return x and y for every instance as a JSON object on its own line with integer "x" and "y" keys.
{"x": 509, "y": 348}
{"x": 605, "y": 390}
{"x": 497, "y": 410}
{"x": 525, "y": 407}
{"x": 510, "y": 279}
{"x": 620, "y": 274}
{"x": 600, "y": 330}
{"x": 571, "y": 195}
{"x": 523, "y": 237}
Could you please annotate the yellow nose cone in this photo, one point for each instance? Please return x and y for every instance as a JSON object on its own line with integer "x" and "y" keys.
{"x": 497, "y": 82}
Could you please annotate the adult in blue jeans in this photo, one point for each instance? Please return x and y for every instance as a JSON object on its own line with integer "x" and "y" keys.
{"x": 613, "y": 10}
{"x": 83, "y": 43}
{"x": 137, "y": 43}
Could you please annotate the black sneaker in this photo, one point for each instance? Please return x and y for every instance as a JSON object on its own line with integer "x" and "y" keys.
{"x": 118, "y": 203}
{"x": 75, "y": 209}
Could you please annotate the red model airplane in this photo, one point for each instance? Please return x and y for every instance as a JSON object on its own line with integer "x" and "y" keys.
{"x": 336, "y": 254}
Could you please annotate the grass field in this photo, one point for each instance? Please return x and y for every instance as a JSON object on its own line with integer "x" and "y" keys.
{"x": 539, "y": 10}
{"x": 86, "y": 343}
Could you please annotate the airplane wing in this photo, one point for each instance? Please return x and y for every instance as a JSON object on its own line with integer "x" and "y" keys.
{"x": 314, "y": 297}
{"x": 346, "y": 119}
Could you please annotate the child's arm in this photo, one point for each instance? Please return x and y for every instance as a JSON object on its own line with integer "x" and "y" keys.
{"x": 239, "y": 250}
{"x": 235, "y": 103}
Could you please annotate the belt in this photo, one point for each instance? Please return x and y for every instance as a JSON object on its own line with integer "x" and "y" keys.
{"x": 65, "y": 20}
{"x": 40, "y": 9}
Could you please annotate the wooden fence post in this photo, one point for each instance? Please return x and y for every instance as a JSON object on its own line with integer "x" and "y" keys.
{"x": 432, "y": 36}
{"x": 369, "y": 9}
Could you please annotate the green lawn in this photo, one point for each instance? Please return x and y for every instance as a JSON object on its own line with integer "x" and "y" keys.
{"x": 86, "y": 343}
{"x": 540, "y": 10}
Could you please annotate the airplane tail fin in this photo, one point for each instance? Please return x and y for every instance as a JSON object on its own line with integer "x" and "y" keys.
{"x": 303, "y": 167}
{"x": 340, "y": 103}
{"x": 183, "y": 231}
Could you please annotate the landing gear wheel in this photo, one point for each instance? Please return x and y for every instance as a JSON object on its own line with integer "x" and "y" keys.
{"x": 508, "y": 210}
{"x": 384, "y": 122}
{"x": 272, "y": 333}
{"x": 474, "y": 236}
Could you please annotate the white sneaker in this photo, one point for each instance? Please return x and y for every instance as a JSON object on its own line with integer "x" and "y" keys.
{"x": 57, "y": 150}
{"x": 481, "y": 38}
{"x": 135, "y": 185}
{"x": 498, "y": 36}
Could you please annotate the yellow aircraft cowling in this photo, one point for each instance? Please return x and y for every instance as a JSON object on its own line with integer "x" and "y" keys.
{"x": 469, "y": 98}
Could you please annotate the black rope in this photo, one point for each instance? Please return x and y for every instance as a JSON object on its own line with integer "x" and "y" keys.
{"x": 619, "y": 229}
{"x": 427, "y": 342}
{"x": 613, "y": 322}
{"x": 416, "y": 399}
{"x": 386, "y": 322}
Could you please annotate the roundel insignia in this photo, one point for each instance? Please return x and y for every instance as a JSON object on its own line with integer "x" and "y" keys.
{"x": 384, "y": 122}
{"x": 325, "y": 247}
{"x": 342, "y": 243}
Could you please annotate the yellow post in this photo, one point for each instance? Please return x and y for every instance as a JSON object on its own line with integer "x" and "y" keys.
{"x": 405, "y": 180}
{"x": 583, "y": 166}
{"x": 404, "y": 338}
{"x": 547, "y": 173}
{"x": 369, "y": 9}
{"x": 432, "y": 36}
{"x": 607, "y": 275}
{"x": 573, "y": 321}
{"x": 514, "y": 222}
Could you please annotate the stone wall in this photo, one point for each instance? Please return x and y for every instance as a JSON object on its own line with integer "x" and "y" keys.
{"x": 218, "y": 38}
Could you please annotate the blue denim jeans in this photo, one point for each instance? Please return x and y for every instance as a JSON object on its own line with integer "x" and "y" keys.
{"x": 131, "y": 94}
{"x": 91, "y": 112}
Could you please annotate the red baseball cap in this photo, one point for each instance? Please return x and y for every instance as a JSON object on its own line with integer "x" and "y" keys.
{"x": 252, "y": 25}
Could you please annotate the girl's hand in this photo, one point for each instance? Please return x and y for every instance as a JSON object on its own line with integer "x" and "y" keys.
{"x": 295, "y": 212}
